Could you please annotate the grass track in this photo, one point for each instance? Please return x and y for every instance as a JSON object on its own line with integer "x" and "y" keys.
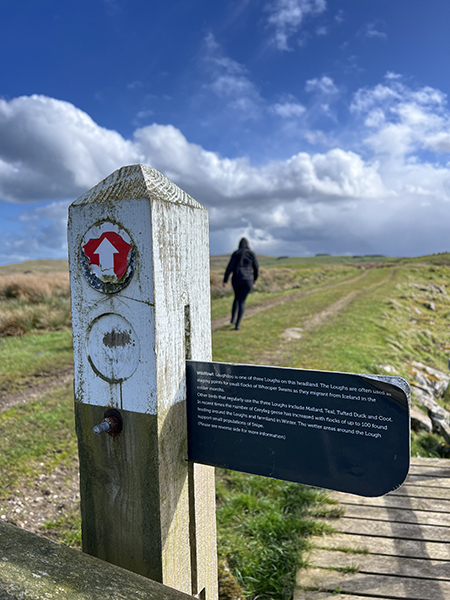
{"x": 23, "y": 359}
{"x": 261, "y": 341}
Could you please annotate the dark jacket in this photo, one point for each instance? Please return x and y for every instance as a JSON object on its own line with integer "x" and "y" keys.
{"x": 243, "y": 264}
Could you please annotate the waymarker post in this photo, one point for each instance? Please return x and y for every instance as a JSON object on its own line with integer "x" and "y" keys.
{"x": 139, "y": 265}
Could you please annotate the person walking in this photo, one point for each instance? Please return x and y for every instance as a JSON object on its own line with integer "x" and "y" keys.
{"x": 244, "y": 266}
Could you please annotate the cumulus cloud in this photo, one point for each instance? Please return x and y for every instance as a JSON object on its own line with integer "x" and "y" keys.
{"x": 404, "y": 121}
{"x": 286, "y": 17}
{"x": 51, "y": 149}
{"x": 390, "y": 194}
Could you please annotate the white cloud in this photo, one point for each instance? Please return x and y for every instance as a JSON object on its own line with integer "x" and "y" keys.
{"x": 286, "y": 18}
{"x": 324, "y": 85}
{"x": 374, "y": 31}
{"x": 320, "y": 137}
{"x": 339, "y": 17}
{"x": 387, "y": 195}
{"x": 404, "y": 120}
{"x": 229, "y": 81}
{"x": 51, "y": 149}
{"x": 288, "y": 110}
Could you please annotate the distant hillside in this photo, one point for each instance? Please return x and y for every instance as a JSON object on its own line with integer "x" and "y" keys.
{"x": 219, "y": 262}
{"x": 36, "y": 266}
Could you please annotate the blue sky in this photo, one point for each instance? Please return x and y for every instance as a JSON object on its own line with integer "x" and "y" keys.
{"x": 307, "y": 125}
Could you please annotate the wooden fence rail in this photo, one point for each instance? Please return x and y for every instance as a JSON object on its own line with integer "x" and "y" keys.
{"x": 32, "y": 567}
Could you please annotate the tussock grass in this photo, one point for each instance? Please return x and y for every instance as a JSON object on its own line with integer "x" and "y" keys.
{"x": 20, "y": 318}
{"x": 34, "y": 301}
{"x": 34, "y": 287}
{"x": 274, "y": 279}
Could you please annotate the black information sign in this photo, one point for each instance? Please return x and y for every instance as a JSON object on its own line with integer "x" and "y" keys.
{"x": 338, "y": 431}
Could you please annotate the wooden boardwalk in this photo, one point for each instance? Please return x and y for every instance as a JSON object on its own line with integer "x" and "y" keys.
{"x": 396, "y": 546}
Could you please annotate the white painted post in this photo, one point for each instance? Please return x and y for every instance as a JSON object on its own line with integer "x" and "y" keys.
{"x": 139, "y": 265}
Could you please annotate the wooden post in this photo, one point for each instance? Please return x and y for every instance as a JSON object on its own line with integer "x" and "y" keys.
{"x": 139, "y": 266}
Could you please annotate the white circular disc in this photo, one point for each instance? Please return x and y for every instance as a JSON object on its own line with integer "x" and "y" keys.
{"x": 113, "y": 347}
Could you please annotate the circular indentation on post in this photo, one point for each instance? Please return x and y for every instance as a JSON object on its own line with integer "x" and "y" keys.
{"x": 107, "y": 257}
{"x": 113, "y": 348}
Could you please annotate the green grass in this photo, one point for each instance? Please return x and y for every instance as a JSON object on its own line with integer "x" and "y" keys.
{"x": 66, "y": 529}
{"x": 263, "y": 529}
{"x": 263, "y": 524}
{"x": 425, "y": 444}
{"x": 309, "y": 279}
{"x": 262, "y": 332}
{"x": 379, "y": 326}
{"x": 23, "y": 359}
{"x": 37, "y": 433}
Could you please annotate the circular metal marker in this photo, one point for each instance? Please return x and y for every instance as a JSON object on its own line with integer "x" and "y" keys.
{"x": 113, "y": 348}
{"x": 107, "y": 257}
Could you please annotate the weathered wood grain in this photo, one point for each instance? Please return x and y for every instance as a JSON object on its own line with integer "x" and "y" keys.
{"x": 390, "y": 501}
{"x": 399, "y": 515}
{"x": 398, "y": 545}
{"x": 394, "y": 530}
{"x": 381, "y": 586}
{"x": 427, "y": 480}
{"x": 300, "y": 594}
{"x": 143, "y": 506}
{"x": 419, "y": 491}
{"x": 387, "y": 546}
{"x": 33, "y": 567}
{"x": 382, "y": 565}
{"x": 429, "y": 471}
{"x": 430, "y": 462}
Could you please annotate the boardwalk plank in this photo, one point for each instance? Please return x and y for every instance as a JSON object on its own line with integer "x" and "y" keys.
{"x": 400, "y": 543}
{"x": 430, "y": 533}
{"x": 387, "y": 546}
{"x": 416, "y": 491}
{"x": 427, "y": 480}
{"x": 389, "y": 501}
{"x": 402, "y": 515}
{"x": 429, "y": 471}
{"x": 430, "y": 462}
{"x": 382, "y": 565}
{"x": 384, "y": 586}
{"x": 300, "y": 594}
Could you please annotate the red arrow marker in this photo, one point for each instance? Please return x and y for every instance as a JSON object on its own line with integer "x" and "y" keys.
{"x": 109, "y": 251}
{"x": 106, "y": 251}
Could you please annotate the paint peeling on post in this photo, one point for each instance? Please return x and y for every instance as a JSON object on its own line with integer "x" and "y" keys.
{"x": 139, "y": 255}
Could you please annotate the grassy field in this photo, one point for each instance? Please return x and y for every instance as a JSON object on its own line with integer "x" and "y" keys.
{"x": 356, "y": 314}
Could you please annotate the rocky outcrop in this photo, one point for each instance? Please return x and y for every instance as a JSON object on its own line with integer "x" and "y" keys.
{"x": 427, "y": 384}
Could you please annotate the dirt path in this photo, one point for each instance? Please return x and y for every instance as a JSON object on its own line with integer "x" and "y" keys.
{"x": 217, "y": 323}
{"x": 333, "y": 309}
{"x": 37, "y": 388}
{"x": 48, "y": 496}
{"x": 274, "y": 356}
